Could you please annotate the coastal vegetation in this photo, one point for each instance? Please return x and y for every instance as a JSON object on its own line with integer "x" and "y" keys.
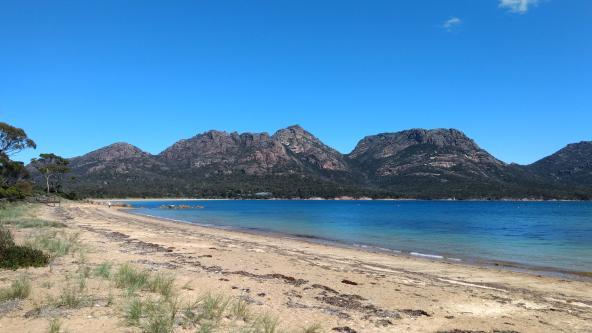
{"x": 13, "y": 173}
{"x": 15, "y": 181}
{"x": 12, "y": 255}
{"x": 150, "y": 301}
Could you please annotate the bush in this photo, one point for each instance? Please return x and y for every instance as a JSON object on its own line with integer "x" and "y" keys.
{"x": 24, "y": 187}
{"x": 17, "y": 256}
{"x": 11, "y": 193}
{"x": 6, "y": 240}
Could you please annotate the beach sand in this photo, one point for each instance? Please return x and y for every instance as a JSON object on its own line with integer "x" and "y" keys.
{"x": 343, "y": 289}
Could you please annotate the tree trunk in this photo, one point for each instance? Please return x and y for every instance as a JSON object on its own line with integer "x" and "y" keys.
{"x": 47, "y": 183}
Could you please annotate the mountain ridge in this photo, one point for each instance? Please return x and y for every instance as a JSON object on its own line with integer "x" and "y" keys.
{"x": 292, "y": 162}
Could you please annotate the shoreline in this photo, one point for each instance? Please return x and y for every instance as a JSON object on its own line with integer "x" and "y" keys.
{"x": 300, "y": 282}
{"x": 101, "y": 200}
{"x": 534, "y": 270}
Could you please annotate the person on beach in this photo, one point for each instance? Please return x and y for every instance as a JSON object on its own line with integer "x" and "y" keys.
{"x": 109, "y": 204}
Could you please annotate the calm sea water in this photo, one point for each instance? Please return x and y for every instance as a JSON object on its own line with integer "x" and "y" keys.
{"x": 556, "y": 235}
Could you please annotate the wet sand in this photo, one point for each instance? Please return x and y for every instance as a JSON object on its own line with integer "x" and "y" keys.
{"x": 343, "y": 289}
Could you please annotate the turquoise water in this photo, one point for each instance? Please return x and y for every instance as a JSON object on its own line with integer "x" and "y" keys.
{"x": 554, "y": 235}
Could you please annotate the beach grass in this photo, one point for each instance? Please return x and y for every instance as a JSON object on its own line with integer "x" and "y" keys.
{"x": 72, "y": 296}
{"x": 57, "y": 244}
{"x": 314, "y": 328}
{"x": 130, "y": 278}
{"x": 161, "y": 283}
{"x": 133, "y": 311}
{"x": 103, "y": 270}
{"x": 153, "y": 316}
{"x": 20, "y": 288}
{"x": 265, "y": 323}
{"x": 240, "y": 310}
{"x": 55, "y": 326}
{"x": 22, "y": 216}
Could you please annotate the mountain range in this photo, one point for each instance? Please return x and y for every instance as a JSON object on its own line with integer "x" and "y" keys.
{"x": 415, "y": 163}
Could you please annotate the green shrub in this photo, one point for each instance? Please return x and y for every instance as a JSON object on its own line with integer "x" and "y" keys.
{"x": 6, "y": 239}
{"x": 11, "y": 193}
{"x": 22, "y": 256}
{"x": 15, "y": 256}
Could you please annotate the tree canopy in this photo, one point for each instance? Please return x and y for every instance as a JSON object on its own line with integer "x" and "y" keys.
{"x": 13, "y": 140}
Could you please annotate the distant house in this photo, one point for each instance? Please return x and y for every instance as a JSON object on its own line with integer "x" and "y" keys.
{"x": 263, "y": 194}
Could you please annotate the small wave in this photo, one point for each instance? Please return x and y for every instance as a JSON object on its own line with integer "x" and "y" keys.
{"x": 388, "y": 250}
{"x": 424, "y": 255}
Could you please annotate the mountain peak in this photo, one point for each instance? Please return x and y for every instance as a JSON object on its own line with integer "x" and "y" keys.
{"x": 571, "y": 164}
{"x": 295, "y": 127}
{"x": 388, "y": 144}
{"x": 438, "y": 155}
{"x": 310, "y": 149}
{"x": 116, "y": 151}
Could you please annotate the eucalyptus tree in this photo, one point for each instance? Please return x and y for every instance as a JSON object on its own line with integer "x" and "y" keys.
{"x": 50, "y": 166}
{"x": 12, "y": 141}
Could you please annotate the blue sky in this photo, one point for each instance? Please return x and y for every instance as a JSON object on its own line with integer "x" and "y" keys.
{"x": 515, "y": 75}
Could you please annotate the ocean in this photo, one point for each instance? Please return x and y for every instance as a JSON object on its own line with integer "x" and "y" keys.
{"x": 546, "y": 236}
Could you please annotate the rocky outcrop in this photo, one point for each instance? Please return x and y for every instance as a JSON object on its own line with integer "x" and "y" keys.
{"x": 310, "y": 150}
{"x": 288, "y": 151}
{"x": 420, "y": 152}
{"x": 227, "y": 153}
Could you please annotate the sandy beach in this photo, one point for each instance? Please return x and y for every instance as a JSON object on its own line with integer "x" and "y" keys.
{"x": 302, "y": 283}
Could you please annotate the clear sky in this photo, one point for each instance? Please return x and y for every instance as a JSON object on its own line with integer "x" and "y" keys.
{"x": 515, "y": 75}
